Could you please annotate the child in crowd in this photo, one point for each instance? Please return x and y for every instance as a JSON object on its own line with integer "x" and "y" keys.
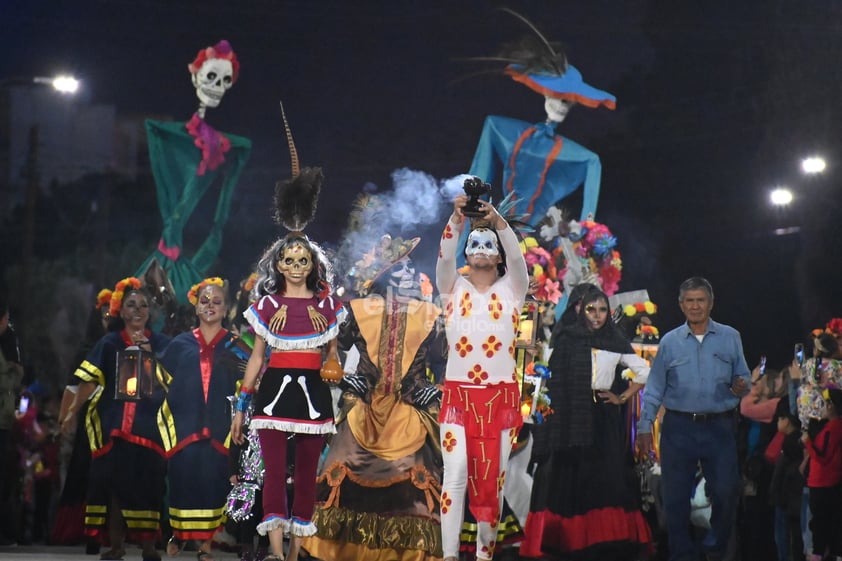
{"x": 787, "y": 483}
{"x": 825, "y": 481}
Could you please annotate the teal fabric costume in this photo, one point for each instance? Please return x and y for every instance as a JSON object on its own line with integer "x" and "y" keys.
{"x": 187, "y": 159}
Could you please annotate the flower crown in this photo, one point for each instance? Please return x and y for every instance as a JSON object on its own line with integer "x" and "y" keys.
{"x": 103, "y": 299}
{"x": 193, "y": 293}
{"x": 132, "y": 283}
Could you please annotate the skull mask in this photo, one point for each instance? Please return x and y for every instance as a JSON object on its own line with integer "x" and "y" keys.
{"x": 214, "y": 78}
{"x": 402, "y": 275}
{"x": 482, "y": 241}
{"x": 295, "y": 263}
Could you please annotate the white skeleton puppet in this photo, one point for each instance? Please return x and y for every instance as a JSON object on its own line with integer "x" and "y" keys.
{"x": 213, "y": 72}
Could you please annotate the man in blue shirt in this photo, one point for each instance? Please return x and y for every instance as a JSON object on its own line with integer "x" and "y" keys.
{"x": 698, "y": 376}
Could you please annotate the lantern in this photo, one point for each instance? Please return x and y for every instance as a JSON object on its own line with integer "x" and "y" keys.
{"x": 135, "y": 374}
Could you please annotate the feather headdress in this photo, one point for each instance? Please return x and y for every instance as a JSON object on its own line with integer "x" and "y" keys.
{"x": 296, "y": 198}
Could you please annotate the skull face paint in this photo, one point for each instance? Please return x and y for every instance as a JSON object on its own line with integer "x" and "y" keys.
{"x": 214, "y": 78}
{"x": 482, "y": 242}
{"x": 295, "y": 263}
{"x": 402, "y": 274}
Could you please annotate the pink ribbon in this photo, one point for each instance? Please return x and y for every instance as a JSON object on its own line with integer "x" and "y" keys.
{"x": 171, "y": 253}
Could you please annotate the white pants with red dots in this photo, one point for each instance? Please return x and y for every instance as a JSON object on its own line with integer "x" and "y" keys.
{"x": 454, "y": 489}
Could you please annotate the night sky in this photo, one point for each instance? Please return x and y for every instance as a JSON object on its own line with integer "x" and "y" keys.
{"x": 716, "y": 104}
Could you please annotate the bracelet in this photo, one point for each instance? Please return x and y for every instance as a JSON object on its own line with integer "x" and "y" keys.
{"x": 623, "y": 398}
{"x": 244, "y": 389}
{"x": 243, "y": 402}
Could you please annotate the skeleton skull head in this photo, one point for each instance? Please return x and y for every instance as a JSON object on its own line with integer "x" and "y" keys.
{"x": 296, "y": 263}
{"x": 402, "y": 274}
{"x": 214, "y": 78}
{"x": 556, "y": 109}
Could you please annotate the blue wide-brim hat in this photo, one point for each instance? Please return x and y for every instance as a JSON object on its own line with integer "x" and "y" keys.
{"x": 568, "y": 86}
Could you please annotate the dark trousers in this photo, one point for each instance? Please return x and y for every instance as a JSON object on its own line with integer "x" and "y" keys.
{"x": 826, "y": 524}
{"x": 684, "y": 445}
{"x": 308, "y": 448}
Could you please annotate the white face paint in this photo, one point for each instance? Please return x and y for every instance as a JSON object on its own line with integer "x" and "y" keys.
{"x": 482, "y": 242}
{"x": 402, "y": 274}
{"x": 556, "y": 109}
{"x": 214, "y": 78}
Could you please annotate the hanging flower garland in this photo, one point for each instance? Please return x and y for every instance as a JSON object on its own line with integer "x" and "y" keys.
{"x": 647, "y": 307}
{"x": 130, "y": 283}
{"x": 193, "y": 293}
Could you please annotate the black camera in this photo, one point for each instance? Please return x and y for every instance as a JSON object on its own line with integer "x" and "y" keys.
{"x": 474, "y": 188}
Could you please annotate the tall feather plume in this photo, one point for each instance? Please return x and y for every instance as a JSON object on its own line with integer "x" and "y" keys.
{"x": 296, "y": 198}
{"x": 293, "y": 153}
{"x": 553, "y": 57}
{"x": 534, "y": 54}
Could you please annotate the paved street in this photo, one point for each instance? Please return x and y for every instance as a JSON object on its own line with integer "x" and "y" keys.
{"x": 67, "y": 553}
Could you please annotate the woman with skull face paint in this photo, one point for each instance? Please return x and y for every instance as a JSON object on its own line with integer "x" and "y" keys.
{"x": 379, "y": 488}
{"x": 126, "y": 484}
{"x": 204, "y": 373}
{"x": 480, "y": 413}
{"x": 295, "y": 316}
{"x": 585, "y": 499}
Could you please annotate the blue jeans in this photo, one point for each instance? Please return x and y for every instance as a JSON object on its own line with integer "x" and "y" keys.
{"x": 685, "y": 444}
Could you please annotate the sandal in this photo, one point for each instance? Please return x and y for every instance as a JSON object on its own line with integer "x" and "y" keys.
{"x": 175, "y": 546}
{"x": 204, "y": 556}
{"x": 273, "y": 557}
{"x": 113, "y": 554}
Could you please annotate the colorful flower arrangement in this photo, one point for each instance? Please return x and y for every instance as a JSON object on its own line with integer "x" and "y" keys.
{"x": 103, "y": 299}
{"x": 594, "y": 245}
{"x": 541, "y": 408}
{"x": 544, "y": 283}
{"x": 130, "y": 283}
{"x": 647, "y": 307}
{"x": 193, "y": 293}
{"x": 833, "y": 327}
{"x": 647, "y": 332}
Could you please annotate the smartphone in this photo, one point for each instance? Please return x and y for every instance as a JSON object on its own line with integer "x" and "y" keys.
{"x": 23, "y": 407}
{"x": 799, "y": 353}
{"x": 763, "y": 365}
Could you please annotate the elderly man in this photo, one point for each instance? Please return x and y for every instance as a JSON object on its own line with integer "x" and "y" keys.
{"x": 698, "y": 375}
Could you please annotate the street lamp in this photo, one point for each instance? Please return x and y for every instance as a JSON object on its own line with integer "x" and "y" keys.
{"x": 62, "y": 83}
{"x": 780, "y": 196}
{"x": 65, "y": 85}
{"x": 813, "y": 165}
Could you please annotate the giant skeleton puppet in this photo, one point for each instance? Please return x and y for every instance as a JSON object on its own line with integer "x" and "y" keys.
{"x": 294, "y": 316}
{"x": 540, "y": 166}
{"x": 188, "y": 159}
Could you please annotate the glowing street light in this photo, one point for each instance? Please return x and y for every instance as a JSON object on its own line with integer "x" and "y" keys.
{"x": 64, "y": 84}
{"x": 780, "y": 196}
{"x": 813, "y": 165}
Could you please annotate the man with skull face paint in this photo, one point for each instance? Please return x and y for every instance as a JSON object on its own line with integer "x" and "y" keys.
{"x": 480, "y": 413}
{"x": 379, "y": 487}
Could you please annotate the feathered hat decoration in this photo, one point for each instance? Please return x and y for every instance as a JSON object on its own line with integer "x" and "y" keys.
{"x": 296, "y": 198}
{"x": 542, "y": 66}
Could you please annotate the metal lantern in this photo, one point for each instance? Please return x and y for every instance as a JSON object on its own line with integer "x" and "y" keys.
{"x": 135, "y": 374}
